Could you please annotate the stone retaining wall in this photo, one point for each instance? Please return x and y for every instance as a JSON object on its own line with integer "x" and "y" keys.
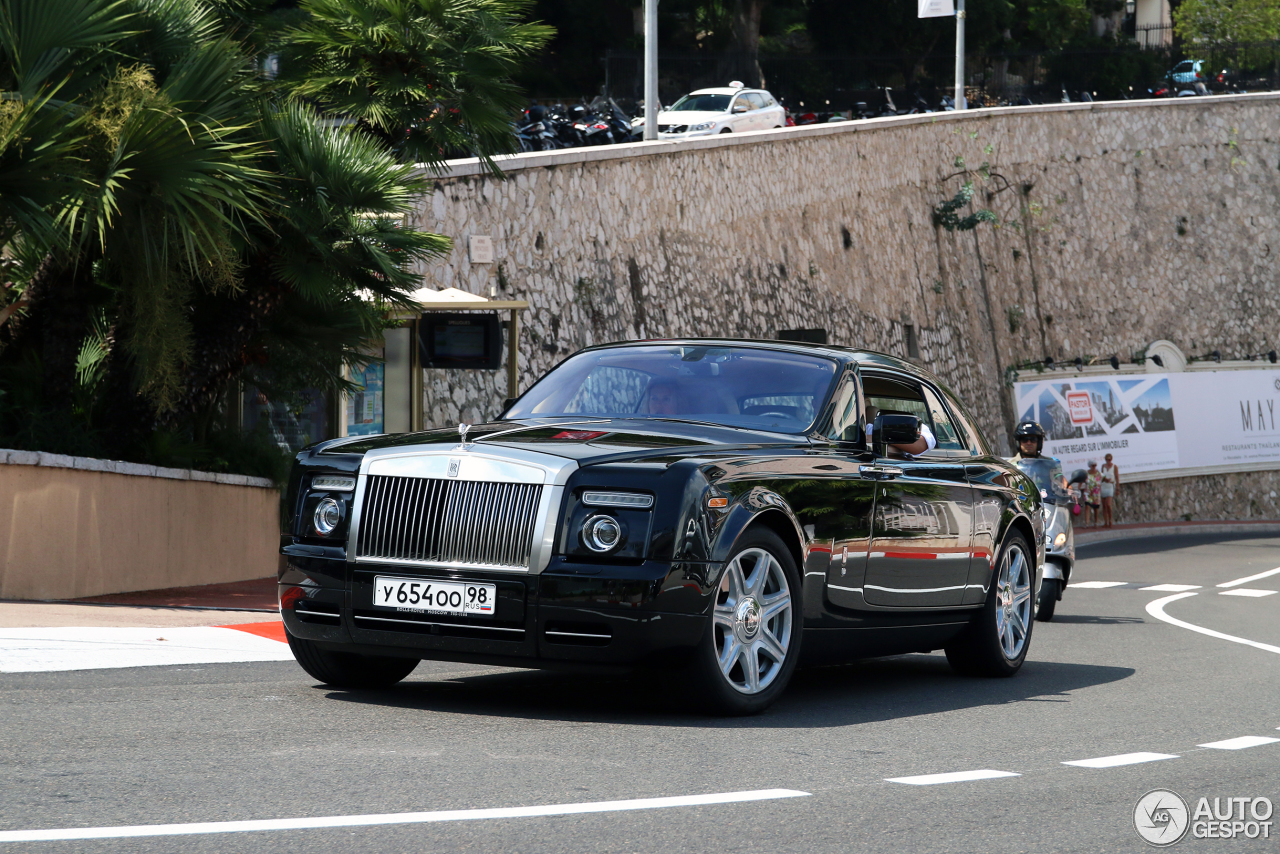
{"x": 1119, "y": 224}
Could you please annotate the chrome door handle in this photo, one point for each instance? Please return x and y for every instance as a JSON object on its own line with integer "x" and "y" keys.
{"x": 879, "y": 472}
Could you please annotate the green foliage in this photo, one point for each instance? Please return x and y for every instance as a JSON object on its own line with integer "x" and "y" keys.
{"x": 431, "y": 77}
{"x": 180, "y": 223}
{"x": 1217, "y": 22}
{"x": 945, "y": 213}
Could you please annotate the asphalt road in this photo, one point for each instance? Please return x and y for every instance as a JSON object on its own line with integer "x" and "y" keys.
{"x": 232, "y": 742}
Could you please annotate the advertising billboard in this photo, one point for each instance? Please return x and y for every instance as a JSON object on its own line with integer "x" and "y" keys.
{"x": 1158, "y": 422}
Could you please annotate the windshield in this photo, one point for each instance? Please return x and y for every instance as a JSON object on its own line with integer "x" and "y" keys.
{"x": 703, "y": 103}
{"x": 1047, "y": 474}
{"x": 735, "y": 386}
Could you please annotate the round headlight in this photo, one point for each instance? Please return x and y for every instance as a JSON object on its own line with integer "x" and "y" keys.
{"x": 602, "y": 533}
{"x": 328, "y": 515}
{"x": 1059, "y": 540}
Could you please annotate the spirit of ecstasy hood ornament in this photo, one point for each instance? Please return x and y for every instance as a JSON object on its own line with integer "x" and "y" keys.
{"x": 462, "y": 433}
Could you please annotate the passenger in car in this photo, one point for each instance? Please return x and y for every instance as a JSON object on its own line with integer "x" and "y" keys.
{"x": 664, "y": 398}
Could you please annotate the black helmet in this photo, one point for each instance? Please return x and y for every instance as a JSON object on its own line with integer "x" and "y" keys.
{"x": 1029, "y": 430}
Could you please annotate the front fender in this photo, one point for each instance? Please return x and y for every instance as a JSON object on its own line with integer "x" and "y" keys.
{"x": 746, "y": 510}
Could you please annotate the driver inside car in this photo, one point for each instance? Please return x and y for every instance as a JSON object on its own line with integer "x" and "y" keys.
{"x": 925, "y": 440}
{"x": 663, "y": 399}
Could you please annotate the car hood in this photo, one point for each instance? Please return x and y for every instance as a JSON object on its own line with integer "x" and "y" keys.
{"x": 688, "y": 117}
{"x": 585, "y": 440}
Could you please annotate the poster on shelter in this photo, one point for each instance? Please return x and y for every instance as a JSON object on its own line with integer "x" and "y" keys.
{"x": 364, "y": 403}
{"x": 1158, "y": 422}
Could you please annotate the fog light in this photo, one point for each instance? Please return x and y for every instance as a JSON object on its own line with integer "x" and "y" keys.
{"x": 328, "y": 515}
{"x": 602, "y": 533}
{"x": 1059, "y": 540}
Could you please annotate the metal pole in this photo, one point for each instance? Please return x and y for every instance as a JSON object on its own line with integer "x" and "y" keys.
{"x": 650, "y": 69}
{"x": 960, "y": 103}
{"x": 513, "y": 349}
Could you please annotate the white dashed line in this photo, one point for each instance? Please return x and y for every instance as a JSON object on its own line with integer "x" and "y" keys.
{"x": 1245, "y": 591}
{"x": 1156, "y": 609}
{"x": 1240, "y": 743}
{"x": 391, "y": 818}
{"x": 1122, "y": 759}
{"x": 1248, "y": 578}
{"x": 954, "y": 777}
{"x": 1171, "y": 588}
{"x": 1097, "y": 585}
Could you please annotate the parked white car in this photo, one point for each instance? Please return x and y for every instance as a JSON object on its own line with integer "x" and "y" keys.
{"x": 729, "y": 109}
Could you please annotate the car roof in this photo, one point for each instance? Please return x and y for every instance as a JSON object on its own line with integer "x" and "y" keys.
{"x": 722, "y": 90}
{"x": 868, "y": 358}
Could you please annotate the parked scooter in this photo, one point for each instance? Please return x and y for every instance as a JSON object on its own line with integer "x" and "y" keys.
{"x": 1059, "y": 540}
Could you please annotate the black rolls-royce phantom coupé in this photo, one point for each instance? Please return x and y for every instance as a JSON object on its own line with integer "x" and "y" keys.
{"x": 724, "y": 508}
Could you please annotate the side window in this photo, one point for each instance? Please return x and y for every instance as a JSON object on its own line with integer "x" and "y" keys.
{"x": 969, "y": 434}
{"x": 891, "y": 397}
{"x": 943, "y": 430}
{"x": 756, "y": 102}
{"x": 740, "y": 101}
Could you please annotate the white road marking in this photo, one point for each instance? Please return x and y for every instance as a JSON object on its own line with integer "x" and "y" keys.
{"x": 953, "y": 777}
{"x": 1097, "y": 585}
{"x": 1248, "y": 578}
{"x": 42, "y": 650}
{"x": 1121, "y": 759}
{"x": 392, "y": 818}
{"x": 1246, "y": 591}
{"x": 1240, "y": 743}
{"x": 1156, "y": 609}
{"x": 1171, "y": 588}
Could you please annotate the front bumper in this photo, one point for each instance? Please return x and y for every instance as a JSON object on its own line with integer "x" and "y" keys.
{"x": 568, "y": 615}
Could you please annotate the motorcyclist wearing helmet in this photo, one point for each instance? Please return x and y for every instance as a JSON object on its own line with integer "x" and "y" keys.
{"x": 1029, "y": 437}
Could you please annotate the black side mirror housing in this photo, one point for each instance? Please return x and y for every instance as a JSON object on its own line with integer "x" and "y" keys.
{"x": 895, "y": 430}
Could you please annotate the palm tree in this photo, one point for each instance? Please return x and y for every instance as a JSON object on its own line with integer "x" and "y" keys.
{"x": 429, "y": 78}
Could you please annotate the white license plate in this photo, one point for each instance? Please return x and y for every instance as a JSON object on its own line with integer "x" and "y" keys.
{"x": 434, "y": 597}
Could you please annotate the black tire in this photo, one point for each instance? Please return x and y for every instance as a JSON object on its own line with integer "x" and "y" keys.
{"x": 1050, "y": 593}
{"x": 758, "y": 550}
{"x": 981, "y": 649}
{"x": 347, "y": 669}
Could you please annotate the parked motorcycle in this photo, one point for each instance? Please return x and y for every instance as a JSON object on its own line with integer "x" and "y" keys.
{"x": 1060, "y": 544}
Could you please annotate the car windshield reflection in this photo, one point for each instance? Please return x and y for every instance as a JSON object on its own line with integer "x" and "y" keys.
{"x": 1046, "y": 473}
{"x": 702, "y": 104}
{"x": 750, "y": 387}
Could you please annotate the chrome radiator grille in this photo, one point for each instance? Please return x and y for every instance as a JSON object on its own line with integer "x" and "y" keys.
{"x": 429, "y": 520}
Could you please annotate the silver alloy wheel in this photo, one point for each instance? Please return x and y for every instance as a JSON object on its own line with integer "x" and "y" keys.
{"x": 752, "y": 621}
{"x": 1013, "y": 601}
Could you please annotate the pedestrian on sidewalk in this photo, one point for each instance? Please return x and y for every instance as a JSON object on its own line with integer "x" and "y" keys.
{"x": 1110, "y": 482}
{"x": 1092, "y": 493}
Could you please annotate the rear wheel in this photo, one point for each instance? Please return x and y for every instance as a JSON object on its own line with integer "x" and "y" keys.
{"x": 1050, "y": 593}
{"x": 347, "y": 669}
{"x": 996, "y": 642}
{"x": 752, "y": 641}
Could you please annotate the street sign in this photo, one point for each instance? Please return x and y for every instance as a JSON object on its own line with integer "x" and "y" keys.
{"x": 936, "y": 8}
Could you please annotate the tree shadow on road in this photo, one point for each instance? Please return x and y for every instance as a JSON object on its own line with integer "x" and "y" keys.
{"x": 862, "y": 692}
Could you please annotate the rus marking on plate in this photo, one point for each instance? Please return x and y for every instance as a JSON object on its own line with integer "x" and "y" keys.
{"x": 454, "y": 463}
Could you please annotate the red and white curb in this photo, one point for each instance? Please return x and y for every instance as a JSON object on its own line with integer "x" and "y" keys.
{"x": 46, "y": 650}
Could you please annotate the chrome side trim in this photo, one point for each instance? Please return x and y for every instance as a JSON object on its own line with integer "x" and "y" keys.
{"x": 576, "y": 635}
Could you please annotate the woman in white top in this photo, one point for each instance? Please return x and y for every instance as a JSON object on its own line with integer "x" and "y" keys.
{"x": 1110, "y": 480}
